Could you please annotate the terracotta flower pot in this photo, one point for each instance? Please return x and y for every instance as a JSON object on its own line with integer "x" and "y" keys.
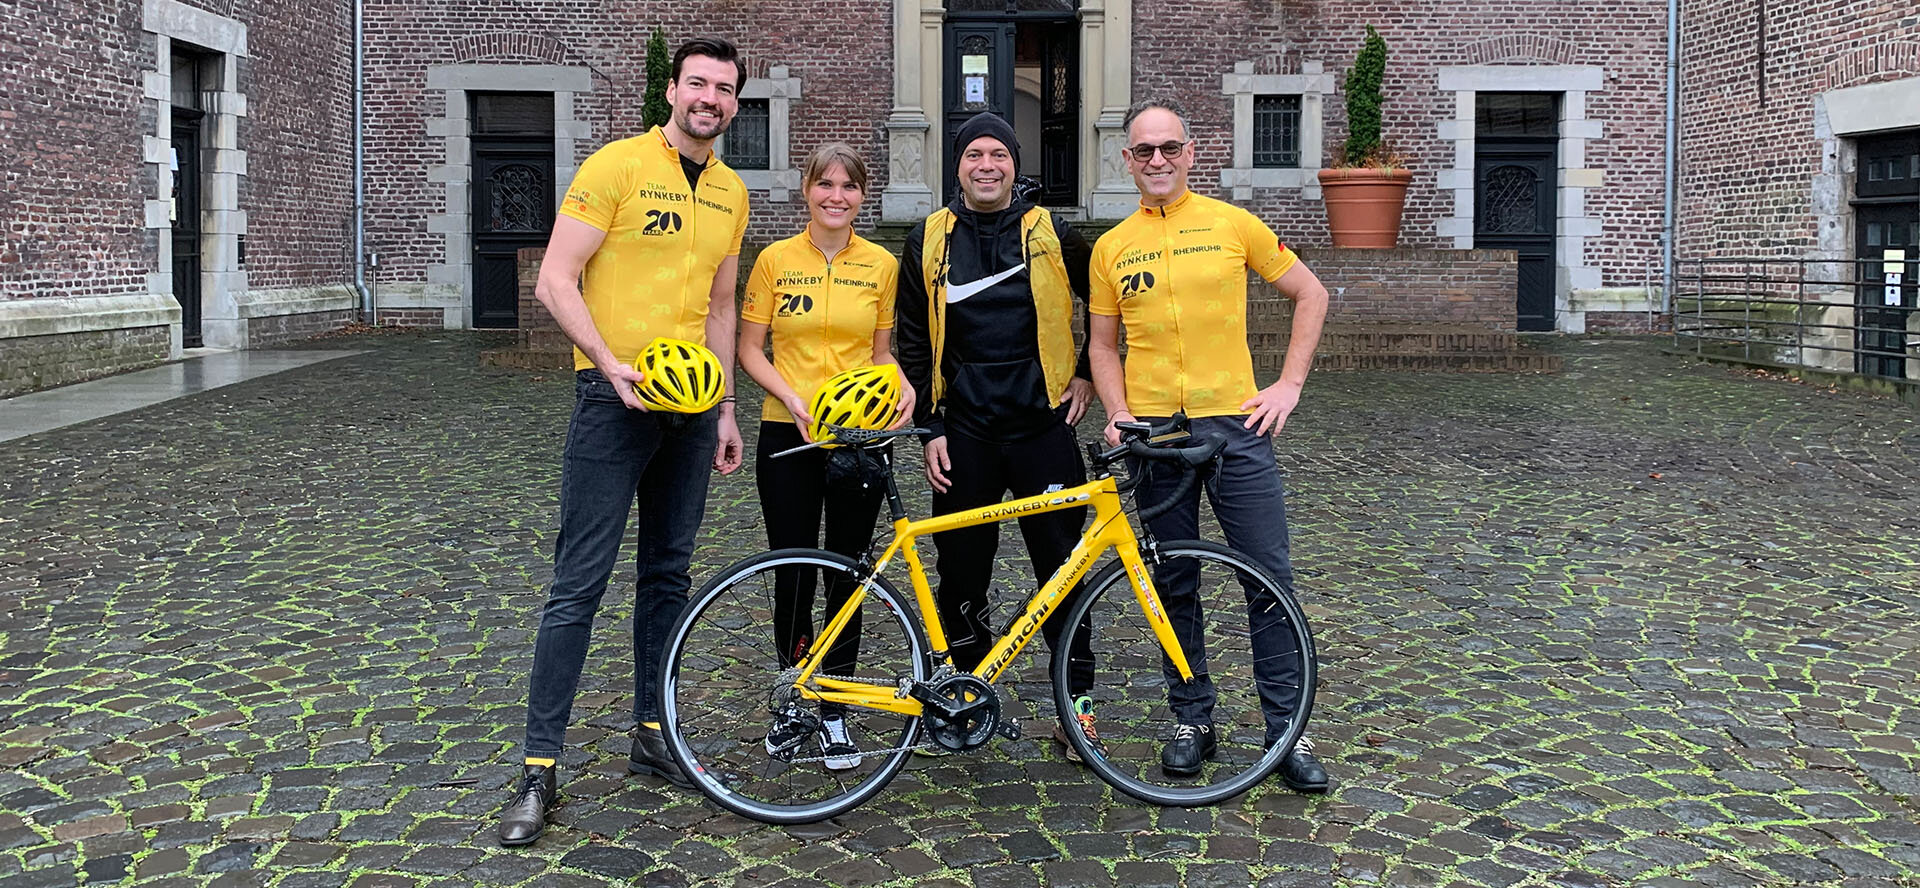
{"x": 1364, "y": 204}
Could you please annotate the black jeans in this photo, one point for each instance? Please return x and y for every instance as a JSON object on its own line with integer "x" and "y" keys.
{"x": 1249, "y": 500}
{"x": 982, "y": 473}
{"x": 616, "y": 455}
{"x": 794, "y": 493}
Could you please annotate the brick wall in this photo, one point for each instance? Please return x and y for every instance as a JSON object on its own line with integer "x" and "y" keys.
{"x": 1181, "y": 51}
{"x": 73, "y": 208}
{"x": 1748, "y": 158}
{"x": 842, "y": 53}
{"x": 73, "y": 115}
{"x": 538, "y": 329}
{"x": 1412, "y": 285}
{"x": 432, "y": 318}
{"x": 286, "y": 328}
{"x": 298, "y": 135}
{"x": 36, "y": 362}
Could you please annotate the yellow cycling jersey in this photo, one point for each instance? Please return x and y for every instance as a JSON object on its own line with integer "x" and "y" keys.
{"x": 653, "y": 274}
{"x": 1176, "y": 276}
{"x": 822, "y": 314}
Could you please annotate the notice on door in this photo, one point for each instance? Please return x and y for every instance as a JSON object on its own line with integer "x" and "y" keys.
{"x": 1894, "y": 271}
{"x": 973, "y": 79}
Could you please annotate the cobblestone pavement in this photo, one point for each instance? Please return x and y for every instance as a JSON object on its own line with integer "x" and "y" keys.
{"x": 1643, "y": 623}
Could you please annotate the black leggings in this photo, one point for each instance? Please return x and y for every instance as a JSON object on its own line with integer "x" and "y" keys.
{"x": 794, "y": 492}
{"x": 982, "y": 473}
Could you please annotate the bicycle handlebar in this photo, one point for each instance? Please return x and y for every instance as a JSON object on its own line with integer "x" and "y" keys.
{"x": 1161, "y": 443}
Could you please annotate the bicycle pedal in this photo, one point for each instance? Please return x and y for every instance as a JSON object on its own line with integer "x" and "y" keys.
{"x": 1008, "y": 728}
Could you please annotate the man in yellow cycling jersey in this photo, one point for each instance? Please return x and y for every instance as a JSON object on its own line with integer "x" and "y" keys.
{"x": 1175, "y": 275}
{"x": 655, "y": 224}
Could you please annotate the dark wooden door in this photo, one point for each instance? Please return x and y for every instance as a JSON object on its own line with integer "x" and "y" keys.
{"x": 979, "y": 68}
{"x": 1887, "y": 236}
{"x": 1514, "y": 210}
{"x": 512, "y": 208}
{"x": 1060, "y": 114}
{"x": 185, "y": 216}
{"x": 1887, "y": 295}
{"x": 1515, "y": 180}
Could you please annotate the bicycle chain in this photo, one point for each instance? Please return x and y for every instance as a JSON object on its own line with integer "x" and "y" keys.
{"x": 902, "y": 692}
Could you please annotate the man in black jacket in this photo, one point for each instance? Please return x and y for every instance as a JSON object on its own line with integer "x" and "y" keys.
{"x": 987, "y": 285}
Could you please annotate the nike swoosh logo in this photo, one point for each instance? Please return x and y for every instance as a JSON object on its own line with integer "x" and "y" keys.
{"x": 957, "y": 292}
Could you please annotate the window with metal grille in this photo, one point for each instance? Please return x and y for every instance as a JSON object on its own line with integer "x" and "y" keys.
{"x": 747, "y": 139}
{"x": 1889, "y": 165}
{"x": 1276, "y": 131}
{"x": 512, "y": 114}
{"x": 1517, "y": 115}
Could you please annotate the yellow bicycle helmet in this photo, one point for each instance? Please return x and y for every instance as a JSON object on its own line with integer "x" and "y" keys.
{"x": 861, "y": 398}
{"x": 682, "y": 377}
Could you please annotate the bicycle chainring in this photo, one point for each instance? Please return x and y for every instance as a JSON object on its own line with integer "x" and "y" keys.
{"x": 960, "y": 712}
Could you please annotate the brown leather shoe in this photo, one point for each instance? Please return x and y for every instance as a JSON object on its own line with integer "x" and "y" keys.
{"x": 526, "y": 816}
{"x": 650, "y": 756}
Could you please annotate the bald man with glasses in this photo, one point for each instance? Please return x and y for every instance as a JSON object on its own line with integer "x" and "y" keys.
{"x": 1174, "y": 273}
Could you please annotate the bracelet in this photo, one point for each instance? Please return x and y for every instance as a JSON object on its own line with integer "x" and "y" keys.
{"x": 729, "y": 400}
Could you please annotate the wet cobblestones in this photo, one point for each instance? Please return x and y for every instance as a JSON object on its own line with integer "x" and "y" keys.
{"x": 1644, "y": 622}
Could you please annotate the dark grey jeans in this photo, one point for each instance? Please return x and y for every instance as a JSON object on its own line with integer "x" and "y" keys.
{"x": 1249, "y": 500}
{"x": 616, "y": 455}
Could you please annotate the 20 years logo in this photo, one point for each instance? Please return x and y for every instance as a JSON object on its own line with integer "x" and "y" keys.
{"x": 661, "y": 222}
{"x": 793, "y": 304}
{"x": 1136, "y": 283}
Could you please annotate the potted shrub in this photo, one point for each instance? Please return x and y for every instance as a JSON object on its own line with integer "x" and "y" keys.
{"x": 1366, "y": 189}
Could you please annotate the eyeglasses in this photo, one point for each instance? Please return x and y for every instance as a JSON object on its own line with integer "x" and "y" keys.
{"x": 1169, "y": 150}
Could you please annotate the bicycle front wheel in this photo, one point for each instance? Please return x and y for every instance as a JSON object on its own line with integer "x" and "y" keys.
{"x": 732, "y": 716}
{"x": 1251, "y": 653}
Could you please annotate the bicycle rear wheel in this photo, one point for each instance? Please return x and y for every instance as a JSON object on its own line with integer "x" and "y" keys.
{"x": 726, "y": 687}
{"x": 1252, "y": 655}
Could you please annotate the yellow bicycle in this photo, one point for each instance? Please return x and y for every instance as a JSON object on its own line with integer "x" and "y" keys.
{"x": 813, "y": 725}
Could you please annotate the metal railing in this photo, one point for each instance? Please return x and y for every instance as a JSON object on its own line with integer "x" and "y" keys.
{"x": 1840, "y": 315}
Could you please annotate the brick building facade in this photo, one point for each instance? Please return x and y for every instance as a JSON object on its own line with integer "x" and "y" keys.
{"x": 94, "y": 110}
{"x": 1536, "y": 127}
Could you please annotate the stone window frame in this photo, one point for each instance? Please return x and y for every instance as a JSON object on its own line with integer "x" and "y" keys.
{"x": 449, "y": 284}
{"x": 1574, "y": 223}
{"x": 780, "y": 179}
{"x": 1313, "y": 84}
{"x": 223, "y": 281}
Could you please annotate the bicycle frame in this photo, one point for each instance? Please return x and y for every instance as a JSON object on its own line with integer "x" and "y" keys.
{"x": 1108, "y": 530}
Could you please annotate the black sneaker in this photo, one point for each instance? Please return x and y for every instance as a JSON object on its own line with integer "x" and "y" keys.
{"x": 1191, "y": 745}
{"x": 836, "y": 743}
{"x": 791, "y": 727}
{"x": 1301, "y": 771}
{"x": 526, "y": 816}
{"x": 650, "y": 756}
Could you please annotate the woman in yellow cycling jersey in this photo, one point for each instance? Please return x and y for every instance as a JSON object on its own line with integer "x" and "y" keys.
{"x": 826, "y": 295}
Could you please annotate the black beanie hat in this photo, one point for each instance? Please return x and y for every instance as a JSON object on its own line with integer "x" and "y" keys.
{"x": 986, "y": 123}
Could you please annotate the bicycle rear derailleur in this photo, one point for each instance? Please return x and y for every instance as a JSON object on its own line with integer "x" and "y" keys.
{"x": 962, "y": 712}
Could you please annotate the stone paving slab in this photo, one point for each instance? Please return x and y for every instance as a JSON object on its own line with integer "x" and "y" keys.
{"x": 1645, "y": 622}
{"x": 37, "y": 412}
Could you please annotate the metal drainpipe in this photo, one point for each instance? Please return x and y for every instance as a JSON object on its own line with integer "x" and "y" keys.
{"x": 359, "y": 170}
{"x": 1668, "y": 224}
